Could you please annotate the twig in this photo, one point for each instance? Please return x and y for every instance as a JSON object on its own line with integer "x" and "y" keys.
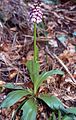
{"x": 61, "y": 62}
{"x": 2, "y": 83}
{"x": 70, "y": 19}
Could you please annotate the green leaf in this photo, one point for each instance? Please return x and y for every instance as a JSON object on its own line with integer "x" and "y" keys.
{"x": 33, "y": 67}
{"x": 29, "y": 110}
{"x": 71, "y": 110}
{"x": 17, "y": 110}
{"x": 12, "y": 86}
{"x": 9, "y": 85}
{"x": 59, "y": 115}
{"x": 52, "y": 101}
{"x": 13, "y": 97}
{"x": 44, "y": 76}
{"x": 68, "y": 117}
{"x": 53, "y": 116}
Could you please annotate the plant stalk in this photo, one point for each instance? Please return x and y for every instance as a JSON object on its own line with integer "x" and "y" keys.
{"x": 35, "y": 52}
{"x": 35, "y": 56}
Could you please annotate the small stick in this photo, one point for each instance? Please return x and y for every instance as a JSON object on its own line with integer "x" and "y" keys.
{"x": 2, "y": 83}
{"x": 61, "y": 62}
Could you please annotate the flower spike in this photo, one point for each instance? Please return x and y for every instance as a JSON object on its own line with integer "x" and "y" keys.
{"x": 36, "y": 13}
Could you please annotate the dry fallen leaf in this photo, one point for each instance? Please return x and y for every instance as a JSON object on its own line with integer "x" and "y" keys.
{"x": 12, "y": 74}
{"x": 2, "y": 83}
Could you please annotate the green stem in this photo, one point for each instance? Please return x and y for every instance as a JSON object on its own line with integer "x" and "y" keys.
{"x": 59, "y": 115}
{"x": 35, "y": 54}
{"x": 35, "y": 42}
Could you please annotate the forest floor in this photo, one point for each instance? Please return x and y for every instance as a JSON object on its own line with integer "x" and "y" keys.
{"x": 56, "y": 40}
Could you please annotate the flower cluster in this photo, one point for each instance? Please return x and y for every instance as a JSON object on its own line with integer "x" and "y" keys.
{"x": 36, "y": 14}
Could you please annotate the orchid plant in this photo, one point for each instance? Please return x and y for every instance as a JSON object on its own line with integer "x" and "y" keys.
{"x": 30, "y": 96}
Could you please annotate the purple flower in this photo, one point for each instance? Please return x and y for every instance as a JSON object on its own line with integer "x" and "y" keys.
{"x": 36, "y": 13}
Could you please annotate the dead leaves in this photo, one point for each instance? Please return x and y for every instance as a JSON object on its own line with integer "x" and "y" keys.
{"x": 68, "y": 56}
{"x": 16, "y": 48}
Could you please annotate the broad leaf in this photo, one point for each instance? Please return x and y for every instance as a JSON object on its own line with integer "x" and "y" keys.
{"x": 33, "y": 68}
{"x": 44, "y": 76}
{"x": 71, "y": 110}
{"x": 68, "y": 117}
{"x": 52, "y": 101}
{"x": 17, "y": 110}
{"x": 9, "y": 85}
{"x": 12, "y": 86}
{"x": 13, "y": 97}
{"x": 29, "y": 110}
